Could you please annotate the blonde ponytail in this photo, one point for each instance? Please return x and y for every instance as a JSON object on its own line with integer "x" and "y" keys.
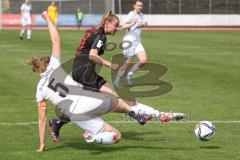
{"x": 108, "y": 16}
{"x": 39, "y": 65}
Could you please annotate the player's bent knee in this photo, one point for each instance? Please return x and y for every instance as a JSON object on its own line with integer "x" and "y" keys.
{"x": 142, "y": 63}
{"x": 118, "y": 137}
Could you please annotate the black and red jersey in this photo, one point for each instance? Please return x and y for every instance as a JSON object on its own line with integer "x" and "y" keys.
{"x": 94, "y": 38}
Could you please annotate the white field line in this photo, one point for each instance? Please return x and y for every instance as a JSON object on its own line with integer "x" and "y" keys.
{"x": 117, "y": 122}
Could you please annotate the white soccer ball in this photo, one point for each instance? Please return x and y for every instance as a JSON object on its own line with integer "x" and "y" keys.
{"x": 205, "y": 130}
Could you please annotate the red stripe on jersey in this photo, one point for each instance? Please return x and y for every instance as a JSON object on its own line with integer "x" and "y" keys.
{"x": 93, "y": 30}
{"x": 83, "y": 42}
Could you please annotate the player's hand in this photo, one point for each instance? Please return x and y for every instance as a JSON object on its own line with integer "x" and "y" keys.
{"x": 45, "y": 15}
{"x": 41, "y": 148}
{"x": 114, "y": 66}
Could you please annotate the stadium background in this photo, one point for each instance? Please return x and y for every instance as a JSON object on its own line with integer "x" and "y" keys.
{"x": 158, "y": 12}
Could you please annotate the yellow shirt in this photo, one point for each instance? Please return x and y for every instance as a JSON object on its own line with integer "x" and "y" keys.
{"x": 53, "y": 13}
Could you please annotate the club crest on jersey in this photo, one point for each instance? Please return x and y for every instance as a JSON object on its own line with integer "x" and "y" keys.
{"x": 99, "y": 44}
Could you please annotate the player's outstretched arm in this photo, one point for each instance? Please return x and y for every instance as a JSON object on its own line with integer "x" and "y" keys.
{"x": 56, "y": 47}
{"x": 42, "y": 123}
{"x": 127, "y": 25}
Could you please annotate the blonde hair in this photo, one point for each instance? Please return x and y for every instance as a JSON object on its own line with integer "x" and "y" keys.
{"x": 39, "y": 65}
{"x": 108, "y": 16}
{"x": 138, "y": 1}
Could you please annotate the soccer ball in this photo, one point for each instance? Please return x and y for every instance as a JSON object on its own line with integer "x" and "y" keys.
{"x": 205, "y": 130}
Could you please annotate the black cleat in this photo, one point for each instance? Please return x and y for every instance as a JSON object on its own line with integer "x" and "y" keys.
{"x": 54, "y": 126}
{"x": 141, "y": 119}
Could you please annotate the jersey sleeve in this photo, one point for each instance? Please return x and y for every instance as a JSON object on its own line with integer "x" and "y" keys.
{"x": 54, "y": 62}
{"x": 98, "y": 42}
{"x": 39, "y": 96}
{"x": 130, "y": 17}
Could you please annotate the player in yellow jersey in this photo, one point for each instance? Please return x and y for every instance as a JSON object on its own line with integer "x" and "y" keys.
{"x": 53, "y": 13}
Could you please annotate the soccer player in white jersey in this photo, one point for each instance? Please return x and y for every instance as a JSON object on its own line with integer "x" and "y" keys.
{"x": 26, "y": 20}
{"x": 84, "y": 108}
{"x": 131, "y": 44}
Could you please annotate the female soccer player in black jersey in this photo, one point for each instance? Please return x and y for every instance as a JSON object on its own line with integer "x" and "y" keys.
{"x": 88, "y": 55}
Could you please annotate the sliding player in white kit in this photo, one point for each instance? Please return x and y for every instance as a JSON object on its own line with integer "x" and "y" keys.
{"x": 26, "y": 20}
{"x": 84, "y": 108}
{"x": 131, "y": 44}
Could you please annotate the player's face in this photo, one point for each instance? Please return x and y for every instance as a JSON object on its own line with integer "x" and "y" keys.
{"x": 138, "y": 6}
{"x": 111, "y": 27}
{"x": 26, "y": 1}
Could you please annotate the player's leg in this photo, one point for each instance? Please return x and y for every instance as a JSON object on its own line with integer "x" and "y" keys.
{"x": 142, "y": 57}
{"x": 122, "y": 71}
{"x": 142, "y": 109}
{"x": 29, "y": 31}
{"x": 24, "y": 24}
{"x": 142, "y": 113}
{"x": 106, "y": 88}
{"x": 129, "y": 47}
{"x": 98, "y": 131}
{"x": 56, "y": 124}
{"x": 142, "y": 61}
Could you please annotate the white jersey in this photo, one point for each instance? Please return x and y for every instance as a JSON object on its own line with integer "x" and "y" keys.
{"x": 134, "y": 33}
{"x": 50, "y": 89}
{"x": 25, "y": 9}
{"x": 44, "y": 92}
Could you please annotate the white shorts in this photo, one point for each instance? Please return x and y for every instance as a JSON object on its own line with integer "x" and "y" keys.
{"x": 94, "y": 126}
{"x": 26, "y": 21}
{"x": 132, "y": 48}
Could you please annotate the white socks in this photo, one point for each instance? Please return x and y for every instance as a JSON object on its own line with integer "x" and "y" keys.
{"x": 22, "y": 33}
{"x": 29, "y": 33}
{"x": 105, "y": 138}
{"x": 141, "y": 109}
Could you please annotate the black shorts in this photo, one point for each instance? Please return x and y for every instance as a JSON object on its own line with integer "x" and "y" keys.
{"x": 84, "y": 72}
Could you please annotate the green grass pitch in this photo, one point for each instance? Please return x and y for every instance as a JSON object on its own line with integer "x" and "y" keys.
{"x": 203, "y": 68}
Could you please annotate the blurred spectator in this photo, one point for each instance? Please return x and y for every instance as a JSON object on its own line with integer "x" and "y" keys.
{"x": 5, "y": 6}
{"x": 53, "y": 13}
{"x": 79, "y": 16}
{"x": 26, "y": 19}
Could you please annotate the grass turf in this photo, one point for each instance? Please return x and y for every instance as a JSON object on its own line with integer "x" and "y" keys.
{"x": 203, "y": 68}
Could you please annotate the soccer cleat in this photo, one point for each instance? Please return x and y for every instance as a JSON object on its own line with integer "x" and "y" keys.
{"x": 55, "y": 126}
{"x": 129, "y": 79}
{"x": 167, "y": 117}
{"x": 141, "y": 119}
{"x": 89, "y": 138}
{"x": 21, "y": 37}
